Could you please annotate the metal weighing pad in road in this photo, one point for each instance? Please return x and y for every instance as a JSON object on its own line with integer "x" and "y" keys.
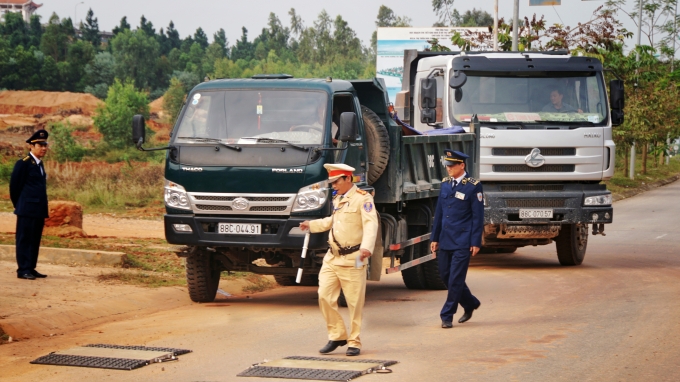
{"x": 110, "y": 356}
{"x": 317, "y": 368}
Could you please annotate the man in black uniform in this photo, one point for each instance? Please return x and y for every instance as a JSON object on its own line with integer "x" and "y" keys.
{"x": 457, "y": 234}
{"x": 28, "y": 191}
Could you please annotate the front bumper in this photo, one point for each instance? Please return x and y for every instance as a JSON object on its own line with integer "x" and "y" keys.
{"x": 567, "y": 206}
{"x": 275, "y": 232}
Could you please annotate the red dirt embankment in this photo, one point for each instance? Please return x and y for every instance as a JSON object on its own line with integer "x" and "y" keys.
{"x": 41, "y": 102}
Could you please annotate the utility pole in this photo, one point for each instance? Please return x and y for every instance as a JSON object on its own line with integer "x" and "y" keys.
{"x": 75, "y": 14}
{"x": 631, "y": 171}
{"x": 675, "y": 35}
{"x": 515, "y": 26}
{"x": 495, "y": 26}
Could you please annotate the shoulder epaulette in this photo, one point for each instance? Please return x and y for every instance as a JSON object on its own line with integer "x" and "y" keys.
{"x": 447, "y": 179}
{"x": 361, "y": 192}
{"x": 471, "y": 180}
{"x": 26, "y": 158}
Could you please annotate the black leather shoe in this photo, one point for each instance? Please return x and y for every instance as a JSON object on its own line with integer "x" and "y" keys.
{"x": 26, "y": 276}
{"x": 353, "y": 351}
{"x": 332, "y": 345}
{"x": 447, "y": 324}
{"x": 467, "y": 315}
{"x": 38, "y": 274}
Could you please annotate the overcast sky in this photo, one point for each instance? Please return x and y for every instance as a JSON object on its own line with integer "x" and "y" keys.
{"x": 231, "y": 15}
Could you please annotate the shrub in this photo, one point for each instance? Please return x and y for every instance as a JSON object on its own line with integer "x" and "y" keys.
{"x": 173, "y": 99}
{"x": 114, "y": 118}
{"x": 65, "y": 146}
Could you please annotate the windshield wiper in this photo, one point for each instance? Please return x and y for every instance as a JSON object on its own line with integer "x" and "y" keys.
{"x": 521, "y": 124}
{"x": 275, "y": 140}
{"x": 588, "y": 123}
{"x": 218, "y": 141}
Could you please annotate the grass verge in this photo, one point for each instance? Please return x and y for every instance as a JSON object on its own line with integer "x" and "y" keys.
{"x": 620, "y": 183}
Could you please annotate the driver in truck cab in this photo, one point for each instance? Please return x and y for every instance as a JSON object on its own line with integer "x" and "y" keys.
{"x": 557, "y": 106}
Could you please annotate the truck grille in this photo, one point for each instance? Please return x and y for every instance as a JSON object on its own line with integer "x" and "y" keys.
{"x": 207, "y": 207}
{"x": 523, "y": 203}
{"x": 524, "y": 151}
{"x": 255, "y": 204}
{"x": 525, "y": 168}
{"x": 532, "y": 187}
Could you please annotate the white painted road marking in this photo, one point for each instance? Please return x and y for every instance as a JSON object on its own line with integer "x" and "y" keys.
{"x": 659, "y": 237}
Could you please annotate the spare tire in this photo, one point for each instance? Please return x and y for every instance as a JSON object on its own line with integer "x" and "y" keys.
{"x": 378, "y": 141}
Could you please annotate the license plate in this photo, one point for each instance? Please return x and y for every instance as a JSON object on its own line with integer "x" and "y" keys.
{"x": 239, "y": 228}
{"x": 535, "y": 214}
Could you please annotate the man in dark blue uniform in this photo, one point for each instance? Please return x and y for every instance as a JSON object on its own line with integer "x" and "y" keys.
{"x": 457, "y": 234}
{"x": 28, "y": 191}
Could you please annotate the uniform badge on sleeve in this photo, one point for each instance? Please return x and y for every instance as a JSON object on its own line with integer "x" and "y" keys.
{"x": 480, "y": 196}
{"x": 368, "y": 206}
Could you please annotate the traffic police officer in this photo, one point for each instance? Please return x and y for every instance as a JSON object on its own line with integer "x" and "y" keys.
{"x": 457, "y": 234}
{"x": 28, "y": 191}
{"x": 353, "y": 229}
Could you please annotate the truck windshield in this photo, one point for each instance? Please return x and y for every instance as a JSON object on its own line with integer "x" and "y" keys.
{"x": 573, "y": 97}
{"x": 246, "y": 117}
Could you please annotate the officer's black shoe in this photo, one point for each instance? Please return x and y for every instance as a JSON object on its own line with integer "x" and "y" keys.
{"x": 467, "y": 315}
{"x": 447, "y": 324}
{"x": 26, "y": 276}
{"x": 38, "y": 274}
{"x": 353, "y": 351}
{"x": 332, "y": 345}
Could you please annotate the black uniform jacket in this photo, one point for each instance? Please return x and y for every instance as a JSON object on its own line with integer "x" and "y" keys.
{"x": 28, "y": 189}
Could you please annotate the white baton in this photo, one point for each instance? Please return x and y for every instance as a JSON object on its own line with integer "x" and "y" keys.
{"x": 302, "y": 258}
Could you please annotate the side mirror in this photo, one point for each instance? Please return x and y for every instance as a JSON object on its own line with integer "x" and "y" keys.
{"x": 348, "y": 127}
{"x": 458, "y": 79}
{"x": 616, "y": 101}
{"x": 616, "y": 94}
{"x": 428, "y": 100}
{"x": 428, "y": 93}
{"x": 138, "y": 130}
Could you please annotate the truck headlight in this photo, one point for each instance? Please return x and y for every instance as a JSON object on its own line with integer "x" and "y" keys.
{"x": 311, "y": 197}
{"x": 599, "y": 200}
{"x": 176, "y": 196}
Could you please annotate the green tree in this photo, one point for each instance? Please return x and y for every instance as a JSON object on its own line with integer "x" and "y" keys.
{"x": 220, "y": 38}
{"x": 90, "y": 30}
{"x": 200, "y": 38}
{"x": 49, "y": 75}
{"x": 122, "y": 26}
{"x": 147, "y": 27}
{"x": 135, "y": 55}
{"x": 35, "y": 31}
{"x": 65, "y": 146}
{"x": 173, "y": 99}
{"x": 100, "y": 73}
{"x": 14, "y": 30}
{"x": 54, "y": 41}
{"x": 243, "y": 49}
{"x": 113, "y": 118}
{"x": 80, "y": 54}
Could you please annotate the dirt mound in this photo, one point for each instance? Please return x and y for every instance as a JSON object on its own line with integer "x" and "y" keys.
{"x": 41, "y": 102}
{"x": 156, "y": 106}
{"x": 66, "y": 220}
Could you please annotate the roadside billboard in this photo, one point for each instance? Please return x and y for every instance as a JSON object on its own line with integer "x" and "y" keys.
{"x": 393, "y": 41}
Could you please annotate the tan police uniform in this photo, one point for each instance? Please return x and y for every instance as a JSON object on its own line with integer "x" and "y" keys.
{"x": 353, "y": 226}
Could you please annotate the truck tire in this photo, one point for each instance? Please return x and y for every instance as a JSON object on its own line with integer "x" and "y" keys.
{"x": 203, "y": 276}
{"x": 306, "y": 280}
{"x": 431, "y": 270}
{"x": 571, "y": 244}
{"x": 378, "y": 141}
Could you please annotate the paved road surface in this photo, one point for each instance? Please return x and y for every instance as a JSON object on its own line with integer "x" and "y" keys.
{"x": 615, "y": 318}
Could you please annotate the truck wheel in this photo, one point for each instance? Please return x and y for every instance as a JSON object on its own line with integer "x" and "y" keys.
{"x": 306, "y": 280}
{"x": 431, "y": 270}
{"x": 203, "y": 276}
{"x": 378, "y": 141}
{"x": 571, "y": 244}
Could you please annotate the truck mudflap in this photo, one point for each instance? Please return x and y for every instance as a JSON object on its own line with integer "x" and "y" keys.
{"x": 274, "y": 233}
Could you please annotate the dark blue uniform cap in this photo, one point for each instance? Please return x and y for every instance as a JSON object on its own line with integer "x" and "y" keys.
{"x": 39, "y": 136}
{"x": 453, "y": 157}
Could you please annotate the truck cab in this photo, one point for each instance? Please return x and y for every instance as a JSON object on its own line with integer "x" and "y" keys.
{"x": 545, "y": 139}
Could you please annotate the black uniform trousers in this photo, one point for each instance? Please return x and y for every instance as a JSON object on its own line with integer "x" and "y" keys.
{"x": 29, "y": 233}
{"x": 453, "y": 267}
